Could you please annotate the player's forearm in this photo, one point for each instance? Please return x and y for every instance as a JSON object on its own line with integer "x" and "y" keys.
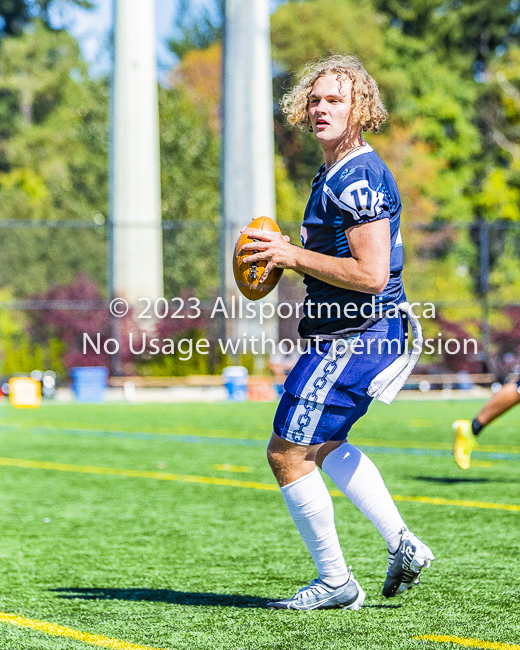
{"x": 344, "y": 272}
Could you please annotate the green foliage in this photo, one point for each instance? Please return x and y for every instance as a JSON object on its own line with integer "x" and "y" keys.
{"x": 460, "y": 33}
{"x": 179, "y": 364}
{"x": 453, "y": 135}
{"x": 500, "y": 169}
{"x": 24, "y": 356}
{"x": 301, "y": 32}
{"x": 290, "y": 203}
{"x": 19, "y": 353}
{"x": 53, "y": 163}
{"x": 434, "y": 103}
{"x": 32, "y": 261}
{"x": 56, "y": 159}
{"x": 53, "y": 166}
{"x": 196, "y": 32}
{"x": 448, "y": 73}
{"x": 16, "y": 14}
{"x": 190, "y": 193}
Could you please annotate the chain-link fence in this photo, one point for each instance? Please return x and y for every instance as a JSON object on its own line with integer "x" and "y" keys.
{"x": 54, "y": 277}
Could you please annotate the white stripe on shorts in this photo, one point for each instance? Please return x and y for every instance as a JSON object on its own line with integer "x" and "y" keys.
{"x": 321, "y": 380}
{"x": 319, "y": 385}
{"x": 309, "y": 428}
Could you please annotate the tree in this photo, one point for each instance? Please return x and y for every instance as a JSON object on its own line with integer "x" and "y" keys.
{"x": 459, "y": 32}
{"x": 54, "y": 160}
{"x": 499, "y": 111}
{"x": 434, "y": 103}
{"x": 19, "y": 352}
{"x": 16, "y": 14}
{"x": 431, "y": 134}
{"x": 196, "y": 31}
{"x": 301, "y": 32}
{"x": 58, "y": 337}
{"x": 190, "y": 194}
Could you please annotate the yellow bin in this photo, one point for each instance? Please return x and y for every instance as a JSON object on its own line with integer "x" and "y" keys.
{"x": 25, "y": 392}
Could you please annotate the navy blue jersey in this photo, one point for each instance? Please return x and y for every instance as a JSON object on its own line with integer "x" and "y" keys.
{"x": 358, "y": 189}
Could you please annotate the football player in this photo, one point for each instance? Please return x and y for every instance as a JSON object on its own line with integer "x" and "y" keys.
{"x": 466, "y": 431}
{"x": 351, "y": 262}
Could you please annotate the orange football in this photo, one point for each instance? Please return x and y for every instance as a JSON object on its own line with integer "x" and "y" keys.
{"x": 247, "y": 276}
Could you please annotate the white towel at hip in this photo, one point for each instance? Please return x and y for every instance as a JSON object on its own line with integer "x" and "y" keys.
{"x": 385, "y": 386}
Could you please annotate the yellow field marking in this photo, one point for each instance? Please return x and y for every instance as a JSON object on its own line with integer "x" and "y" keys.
{"x": 457, "y": 502}
{"x": 208, "y": 480}
{"x": 409, "y": 444}
{"x": 468, "y": 643}
{"x": 60, "y": 630}
{"x": 416, "y": 444}
{"x": 232, "y": 468}
{"x": 136, "y": 473}
{"x": 482, "y": 463}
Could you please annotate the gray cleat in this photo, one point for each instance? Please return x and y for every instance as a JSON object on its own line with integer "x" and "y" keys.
{"x": 406, "y": 564}
{"x": 319, "y": 595}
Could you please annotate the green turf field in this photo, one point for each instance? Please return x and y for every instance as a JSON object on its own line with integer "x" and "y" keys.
{"x": 104, "y": 533}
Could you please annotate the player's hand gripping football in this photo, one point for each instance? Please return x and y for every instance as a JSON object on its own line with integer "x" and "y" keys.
{"x": 279, "y": 252}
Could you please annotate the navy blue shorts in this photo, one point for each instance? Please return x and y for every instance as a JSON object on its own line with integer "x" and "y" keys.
{"x": 326, "y": 391}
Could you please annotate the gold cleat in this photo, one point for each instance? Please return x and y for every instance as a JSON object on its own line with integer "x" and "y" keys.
{"x": 464, "y": 443}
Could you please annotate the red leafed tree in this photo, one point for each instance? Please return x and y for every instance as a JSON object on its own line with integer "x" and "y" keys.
{"x": 70, "y": 323}
{"x": 80, "y": 310}
{"x": 460, "y": 361}
{"x": 505, "y": 346}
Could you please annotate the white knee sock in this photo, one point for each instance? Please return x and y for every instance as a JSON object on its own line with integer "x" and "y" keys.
{"x": 360, "y": 481}
{"x": 310, "y": 506}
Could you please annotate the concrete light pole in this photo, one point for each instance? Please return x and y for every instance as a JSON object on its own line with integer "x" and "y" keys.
{"x": 135, "y": 236}
{"x": 248, "y": 147}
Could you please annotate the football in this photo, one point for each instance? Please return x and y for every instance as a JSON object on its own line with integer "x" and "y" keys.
{"x": 247, "y": 276}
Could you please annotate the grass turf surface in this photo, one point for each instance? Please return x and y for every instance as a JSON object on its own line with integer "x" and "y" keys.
{"x": 191, "y": 566}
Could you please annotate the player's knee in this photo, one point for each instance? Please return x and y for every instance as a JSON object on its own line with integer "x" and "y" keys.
{"x": 325, "y": 449}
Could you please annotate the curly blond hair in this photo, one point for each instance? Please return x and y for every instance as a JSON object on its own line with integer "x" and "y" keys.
{"x": 367, "y": 108}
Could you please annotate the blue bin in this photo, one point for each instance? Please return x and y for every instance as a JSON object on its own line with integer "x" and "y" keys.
{"x": 89, "y": 384}
{"x": 235, "y": 380}
{"x": 464, "y": 381}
